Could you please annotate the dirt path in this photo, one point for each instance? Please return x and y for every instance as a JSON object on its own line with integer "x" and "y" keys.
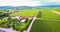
{"x": 56, "y": 12}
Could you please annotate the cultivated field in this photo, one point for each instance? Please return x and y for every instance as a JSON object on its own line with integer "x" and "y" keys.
{"x": 47, "y": 13}
{"x": 25, "y": 13}
{"x": 45, "y": 26}
{"x": 56, "y": 9}
{"x": 47, "y": 21}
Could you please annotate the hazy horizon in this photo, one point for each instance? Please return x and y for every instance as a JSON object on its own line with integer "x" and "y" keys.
{"x": 28, "y": 2}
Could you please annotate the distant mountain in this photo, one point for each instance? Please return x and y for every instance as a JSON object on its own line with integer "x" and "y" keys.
{"x": 25, "y": 7}
{"x": 4, "y": 7}
{"x": 47, "y": 6}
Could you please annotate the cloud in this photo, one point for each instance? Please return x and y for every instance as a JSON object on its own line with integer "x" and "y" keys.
{"x": 28, "y": 2}
{"x": 53, "y": 1}
{"x": 50, "y": 2}
{"x": 19, "y": 3}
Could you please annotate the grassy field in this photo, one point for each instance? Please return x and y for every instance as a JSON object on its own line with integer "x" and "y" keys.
{"x": 50, "y": 21}
{"x": 56, "y": 9}
{"x": 39, "y": 14}
{"x": 40, "y": 25}
{"x": 48, "y": 14}
{"x": 25, "y": 13}
{"x": 45, "y": 26}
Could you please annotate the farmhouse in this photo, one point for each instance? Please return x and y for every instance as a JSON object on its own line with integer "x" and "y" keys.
{"x": 23, "y": 21}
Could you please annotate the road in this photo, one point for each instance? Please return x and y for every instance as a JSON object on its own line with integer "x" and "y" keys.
{"x": 29, "y": 27}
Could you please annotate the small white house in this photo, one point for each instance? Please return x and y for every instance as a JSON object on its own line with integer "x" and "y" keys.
{"x": 23, "y": 20}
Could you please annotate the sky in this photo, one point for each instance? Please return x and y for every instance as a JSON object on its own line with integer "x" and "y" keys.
{"x": 28, "y": 2}
{"x": 50, "y": 2}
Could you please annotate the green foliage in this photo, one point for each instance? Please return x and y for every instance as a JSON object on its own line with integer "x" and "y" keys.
{"x": 22, "y": 26}
{"x": 14, "y": 23}
{"x": 3, "y": 22}
{"x": 45, "y": 26}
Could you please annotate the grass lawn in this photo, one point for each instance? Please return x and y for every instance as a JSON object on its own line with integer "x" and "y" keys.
{"x": 45, "y": 26}
{"x": 25, "y": 13}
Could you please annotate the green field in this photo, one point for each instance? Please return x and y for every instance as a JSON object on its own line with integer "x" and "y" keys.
{"x": 47, "y": 13}
{"x": 45, "y": 26}
{"x": 25, "y": 12}
{"x": 39, "y": 15}
{"x": 56, "y": 9}
{"x": 47, "y": 21}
